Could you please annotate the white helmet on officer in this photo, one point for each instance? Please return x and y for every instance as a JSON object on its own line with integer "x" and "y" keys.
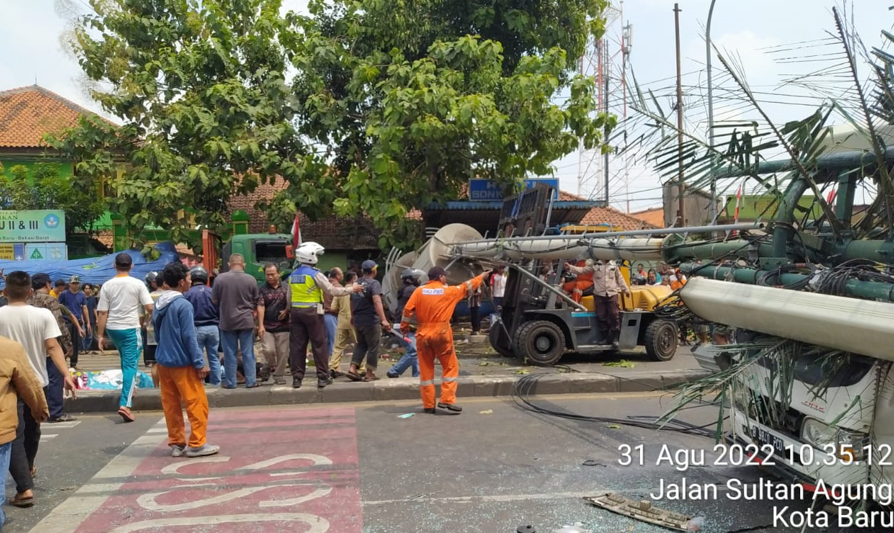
{"x": 307, "y": 253}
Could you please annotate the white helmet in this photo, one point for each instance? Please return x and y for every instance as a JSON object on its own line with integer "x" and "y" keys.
{"x": 307, "y": 253}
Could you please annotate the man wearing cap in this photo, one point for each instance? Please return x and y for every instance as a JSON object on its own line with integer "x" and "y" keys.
{"x": 368, "y": 316}
{"x": 118, "y": 311}
{"x": 78, "y": 323}
{"x": 433, "y": 305}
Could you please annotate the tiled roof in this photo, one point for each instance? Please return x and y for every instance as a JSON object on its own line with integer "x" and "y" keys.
{"x": 653, "y": 216}
{"x": 610, "y": 215}
{"x": 29, "y": 113}
{"x": 607, "y": 215}
{"x": 257, "y": 221}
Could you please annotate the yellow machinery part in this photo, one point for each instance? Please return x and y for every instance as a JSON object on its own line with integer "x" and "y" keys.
{"x": 644, "y": 298}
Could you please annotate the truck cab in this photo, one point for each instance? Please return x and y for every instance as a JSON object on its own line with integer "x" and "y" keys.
{"x": 258, "y": 250}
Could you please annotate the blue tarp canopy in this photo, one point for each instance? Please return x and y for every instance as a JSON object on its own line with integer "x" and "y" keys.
{"x": 95, "y": 270}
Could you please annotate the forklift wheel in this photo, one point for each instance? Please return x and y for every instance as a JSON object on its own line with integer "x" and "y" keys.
{"x": 497, "y": 334}
{"x": 661, "y": 340}
{"x": 541, "y": 342}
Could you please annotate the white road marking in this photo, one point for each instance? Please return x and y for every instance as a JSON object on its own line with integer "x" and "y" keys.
{"x": 316, "y": 523}
{"x": 68, "y": 516}
{"x": 44, "y": 437}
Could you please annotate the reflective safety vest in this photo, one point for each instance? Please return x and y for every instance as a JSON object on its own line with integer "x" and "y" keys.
{"x": 305, "y": 292}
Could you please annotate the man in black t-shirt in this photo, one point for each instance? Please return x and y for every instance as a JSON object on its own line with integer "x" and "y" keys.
{"x": 368, "y": 317}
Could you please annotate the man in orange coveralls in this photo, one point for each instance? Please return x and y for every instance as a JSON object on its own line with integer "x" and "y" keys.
{"x": 433, "y": 305}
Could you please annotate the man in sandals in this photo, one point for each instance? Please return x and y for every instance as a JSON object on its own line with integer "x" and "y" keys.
{"x": 18, "y": 383}
{"x": 368, "y": 315}
{"x": 118, "y": 313}
{"x": 181, "y": 366}
{"x": 37, "y": 331}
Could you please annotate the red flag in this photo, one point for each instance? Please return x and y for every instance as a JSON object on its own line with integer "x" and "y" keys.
{"x": 738, "y": 199}
{"x": 296, "y": 233}
{"x": 831, "y": 198}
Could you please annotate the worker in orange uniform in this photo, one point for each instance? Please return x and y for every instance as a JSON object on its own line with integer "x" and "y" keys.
{"x": 577, "y": 286}
{"x": 433, "y": 305}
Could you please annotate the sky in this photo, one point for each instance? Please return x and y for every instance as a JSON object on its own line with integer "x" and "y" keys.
{"x": 31, "y": 52}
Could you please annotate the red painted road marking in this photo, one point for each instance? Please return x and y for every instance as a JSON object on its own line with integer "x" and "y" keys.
{"x": 278, "y": 470}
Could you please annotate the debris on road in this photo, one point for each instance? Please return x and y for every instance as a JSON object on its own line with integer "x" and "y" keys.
{"x": 593, "y": 462}
{"x": 576, "y": 528}
{"x": 644, "y": 511}
{"x": 407, "y": 415}
{"x": 525, "y": 529}
{"x": 486, "y": 412}
{"x": 522, "y": 371}
{"x": 623, "y": 363}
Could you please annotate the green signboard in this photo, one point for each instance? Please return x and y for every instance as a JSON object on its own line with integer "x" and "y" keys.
{"x": 32, "y": 226}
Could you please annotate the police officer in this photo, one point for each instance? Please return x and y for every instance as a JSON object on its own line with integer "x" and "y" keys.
{"x": 308, "y": 285}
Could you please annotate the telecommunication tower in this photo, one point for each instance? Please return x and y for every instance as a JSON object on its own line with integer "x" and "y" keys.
{"x": 603, "y": 177}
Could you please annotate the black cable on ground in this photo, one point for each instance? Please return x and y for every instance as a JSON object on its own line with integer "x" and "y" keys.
{"x": 521, "y": 392}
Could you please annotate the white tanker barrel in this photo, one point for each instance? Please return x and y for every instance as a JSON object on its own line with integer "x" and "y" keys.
{"x": 437, "y": 252}
{"x": 812, "y": 318}
{"x": 391, "y": 282}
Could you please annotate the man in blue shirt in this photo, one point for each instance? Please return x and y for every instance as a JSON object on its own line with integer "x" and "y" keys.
{"x": 207, "y": 319}
{"x": 181, "y": 366}
{"x": 75, "y": 301}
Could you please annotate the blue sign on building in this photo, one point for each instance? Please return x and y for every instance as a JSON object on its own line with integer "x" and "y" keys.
{"x": 482, "y": 190}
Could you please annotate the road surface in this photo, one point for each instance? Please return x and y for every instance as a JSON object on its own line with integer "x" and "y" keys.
{"x": 364, "y": 469}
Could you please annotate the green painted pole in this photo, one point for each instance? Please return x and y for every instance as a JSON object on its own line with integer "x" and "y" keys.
{"x": 866, "y": 290}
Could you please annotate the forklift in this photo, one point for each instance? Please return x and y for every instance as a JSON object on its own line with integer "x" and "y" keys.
{"x": 539, "y": 322}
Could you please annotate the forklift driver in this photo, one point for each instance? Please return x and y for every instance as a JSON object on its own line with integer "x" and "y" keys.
{"x": 577, "y": 283}
{"x": 607, "y": 283}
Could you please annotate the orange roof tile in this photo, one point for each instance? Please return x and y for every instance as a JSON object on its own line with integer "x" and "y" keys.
{"x": 610, "y": 215}
{"x": 29, "y": 113}
{"x": 653, "y": 216}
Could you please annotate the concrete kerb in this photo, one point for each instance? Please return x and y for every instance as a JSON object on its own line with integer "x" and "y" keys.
{"x": 397, "y": 389}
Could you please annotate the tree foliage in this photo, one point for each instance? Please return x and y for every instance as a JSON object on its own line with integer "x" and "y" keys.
{"x": 46, "y": 188}
{"x": 207, "y": 113}
{"x": 411, "y": 99}
{"x": 389, "y": 105}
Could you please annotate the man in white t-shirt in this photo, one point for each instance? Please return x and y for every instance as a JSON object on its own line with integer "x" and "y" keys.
{"x": 118, "y": 312}
{"x": 498, "y": 286}
{"x": 36, "y": 330}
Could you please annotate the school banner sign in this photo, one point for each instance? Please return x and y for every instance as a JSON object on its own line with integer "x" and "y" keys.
{"x": 45, "y": 225}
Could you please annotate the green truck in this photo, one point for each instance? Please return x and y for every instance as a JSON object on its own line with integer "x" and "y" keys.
{"x": 258, "y": 249}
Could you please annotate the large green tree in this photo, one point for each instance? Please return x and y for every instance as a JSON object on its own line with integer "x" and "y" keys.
{"x": 206, "y": 110}
{"x": 389, "y": 105}
{"x": 411, "y": 99}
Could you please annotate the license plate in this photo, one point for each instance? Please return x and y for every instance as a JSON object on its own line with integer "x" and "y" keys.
{"x": 765, "y": 437}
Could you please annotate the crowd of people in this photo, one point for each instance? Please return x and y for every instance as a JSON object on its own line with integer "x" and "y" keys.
{"x": 180, "y": 321}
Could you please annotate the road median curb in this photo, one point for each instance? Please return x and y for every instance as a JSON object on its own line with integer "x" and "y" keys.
{"x": 399, "y": 389}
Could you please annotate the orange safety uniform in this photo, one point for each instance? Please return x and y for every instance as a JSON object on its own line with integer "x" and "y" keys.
{"x": 577, "y": 287}
{"x": 433, "y": 304}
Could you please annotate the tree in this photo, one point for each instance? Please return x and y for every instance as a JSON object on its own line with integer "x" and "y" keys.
{"x": 46, "y": 188}
{"x": 206, "y": 110}
{"x": 411, "y": 99}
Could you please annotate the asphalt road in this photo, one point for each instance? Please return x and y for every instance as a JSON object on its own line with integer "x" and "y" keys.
{"x": 364, "y": 469}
